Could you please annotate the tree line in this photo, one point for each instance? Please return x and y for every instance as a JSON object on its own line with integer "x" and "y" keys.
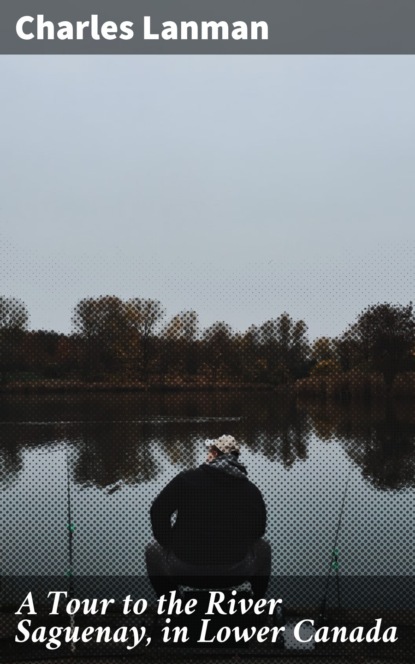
{"x": 131, "y": 340}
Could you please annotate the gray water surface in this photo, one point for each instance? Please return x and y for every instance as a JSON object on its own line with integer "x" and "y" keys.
{"x": 120, "y": 451}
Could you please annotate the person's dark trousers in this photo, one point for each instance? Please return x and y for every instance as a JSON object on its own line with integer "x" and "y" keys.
{"x": 166, "y": 572}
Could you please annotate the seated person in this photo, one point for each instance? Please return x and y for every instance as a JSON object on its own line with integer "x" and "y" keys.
{"x": 216, "y": 538}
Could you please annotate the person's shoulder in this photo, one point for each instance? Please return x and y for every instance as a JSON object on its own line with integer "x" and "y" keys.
{"x": 253, "y": 487}
{"x": 192, "y": 473}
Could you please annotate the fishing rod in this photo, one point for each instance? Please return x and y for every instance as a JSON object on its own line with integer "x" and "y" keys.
{"x": 334, "y": 559}
{"x": 71, "y": 530}
{"x": 71, "y": 526}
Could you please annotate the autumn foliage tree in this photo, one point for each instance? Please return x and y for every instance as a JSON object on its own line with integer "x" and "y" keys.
{"x": 142, "y": 316}
{"x": 385, "y": 335}
{"x": 179, "y": 344}
{"x": 284, "y": 348}
{"x": 116, "y": 334}
{"x": 14, "y": 319}
{"x": 101, "y": 326}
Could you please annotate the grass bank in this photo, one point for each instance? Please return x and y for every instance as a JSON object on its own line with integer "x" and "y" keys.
{"x": 353, "y": 387}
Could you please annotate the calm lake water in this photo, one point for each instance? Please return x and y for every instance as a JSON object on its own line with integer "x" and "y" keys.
{"x": 119, "y": 451}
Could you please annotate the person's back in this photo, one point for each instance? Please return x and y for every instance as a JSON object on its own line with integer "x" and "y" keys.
{"x": 220, "y": 514}
{"x": 220, "y": 518}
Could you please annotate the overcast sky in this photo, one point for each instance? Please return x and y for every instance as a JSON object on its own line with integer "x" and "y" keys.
{"x": 237, "y": 186}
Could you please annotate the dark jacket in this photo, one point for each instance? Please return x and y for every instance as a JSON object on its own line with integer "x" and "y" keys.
{"x": 219, "y": 516}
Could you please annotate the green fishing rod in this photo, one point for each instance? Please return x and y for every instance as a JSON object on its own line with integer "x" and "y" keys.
{"x": 334, "y": 559}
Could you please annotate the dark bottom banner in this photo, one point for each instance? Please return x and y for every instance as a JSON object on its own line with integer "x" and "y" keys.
{"x": 355, "y": 618}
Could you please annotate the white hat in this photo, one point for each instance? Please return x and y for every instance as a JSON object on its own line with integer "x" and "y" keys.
{"x": 225, "y": 444}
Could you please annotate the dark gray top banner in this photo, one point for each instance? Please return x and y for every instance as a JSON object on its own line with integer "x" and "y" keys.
{"x": 202, "y": 26}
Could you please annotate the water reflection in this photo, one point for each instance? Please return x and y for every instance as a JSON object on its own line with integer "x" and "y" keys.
{"x": 128, "y": 439}
{"x": 381, "y": 441}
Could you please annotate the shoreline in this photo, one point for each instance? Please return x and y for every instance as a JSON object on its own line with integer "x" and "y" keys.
{"x": 42, "y": 387}
{"x": 342, "y": 389}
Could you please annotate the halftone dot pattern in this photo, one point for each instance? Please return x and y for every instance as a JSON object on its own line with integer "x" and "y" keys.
{"x": 94, "y": 424}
